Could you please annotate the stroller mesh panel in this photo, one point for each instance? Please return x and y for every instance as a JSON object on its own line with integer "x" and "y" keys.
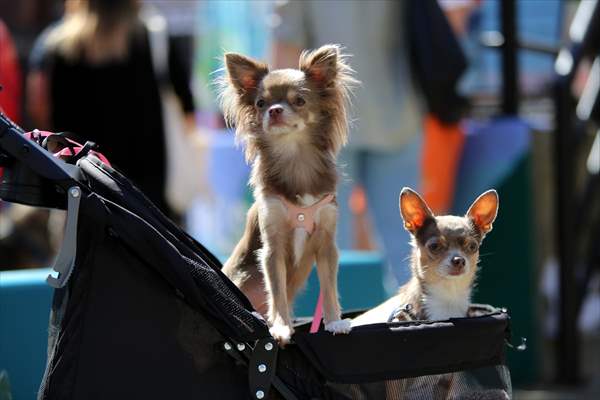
{"x": 489, "y": 383}
{"x": 133, "y": 215}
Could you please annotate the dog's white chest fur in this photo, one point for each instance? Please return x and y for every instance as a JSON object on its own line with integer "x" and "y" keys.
{"x": 300, "y": 235}
{"x": 443, "y": 301}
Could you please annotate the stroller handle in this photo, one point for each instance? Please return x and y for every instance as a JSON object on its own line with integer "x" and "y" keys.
{"x": 16, "y": 146}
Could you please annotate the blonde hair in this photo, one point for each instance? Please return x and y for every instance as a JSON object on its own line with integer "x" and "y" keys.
{"x": 97, "y": 30}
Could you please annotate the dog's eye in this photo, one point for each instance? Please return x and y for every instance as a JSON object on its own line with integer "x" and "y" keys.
{"x": 260, "y": 103}
{"x": 434, "y": 246}
{"x": 471, "y": 247}
{"x": 300, "y": 102}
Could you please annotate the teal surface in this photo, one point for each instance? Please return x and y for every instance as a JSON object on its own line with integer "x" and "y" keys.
{"x": 507, "y": 276}
{"x": 360, "y": 284}
{"x": 498, "y": 154}
{"x": 25, "y": 301}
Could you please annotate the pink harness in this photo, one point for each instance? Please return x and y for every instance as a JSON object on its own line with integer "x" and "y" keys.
{"x": 304, "y": 217}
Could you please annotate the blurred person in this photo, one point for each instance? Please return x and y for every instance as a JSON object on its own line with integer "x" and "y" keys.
{"x": 98, "y": 80}
{"x": 36, "y": 84}
{"x": 24, "y": 238}
{"x": 384, "y": 150}
{"x": 458, "y": 13}
{"x": 443, "y": 131}
{"x": 10, "y": 76}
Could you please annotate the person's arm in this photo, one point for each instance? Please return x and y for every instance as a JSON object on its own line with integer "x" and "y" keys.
{"x": 10, "y": 76}
{"x": 458, "y": 13}
{"x": 37, "y": 84}
{"x": 289, "y": 35}
{"x": 38, "y": 98}
{"x": 179, "y": 74}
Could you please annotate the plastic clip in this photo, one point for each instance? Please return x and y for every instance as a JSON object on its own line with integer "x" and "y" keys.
{"x": 520, "y": 347}
{"x": 65, "y": 261}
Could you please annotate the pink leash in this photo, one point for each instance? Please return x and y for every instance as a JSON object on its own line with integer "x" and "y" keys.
{"x": 318, "y": 315}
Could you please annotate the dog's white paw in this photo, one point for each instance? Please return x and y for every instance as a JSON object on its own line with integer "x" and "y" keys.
{"x": 339, "y": 326}
{"x": 282, "y": 333}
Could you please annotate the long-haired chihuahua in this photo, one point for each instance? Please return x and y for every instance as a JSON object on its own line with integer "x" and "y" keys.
{"x": 292, "y": 123}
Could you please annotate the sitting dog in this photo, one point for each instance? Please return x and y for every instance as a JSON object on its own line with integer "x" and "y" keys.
{"x": 443, "y": 263}
{"x": 444, "y": 266}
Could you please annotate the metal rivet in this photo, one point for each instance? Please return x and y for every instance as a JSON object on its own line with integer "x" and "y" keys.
{"x": 301, "y": 217}
{"x": 262, "y": 368}
{"x": 241, "y": 346}
{"x": 523, "y": 345}
{"x": 75, "y": 192}
{"x": 268, "y": 346}
{"x": 227, "y": 346}
{"x": 260, "y": 394}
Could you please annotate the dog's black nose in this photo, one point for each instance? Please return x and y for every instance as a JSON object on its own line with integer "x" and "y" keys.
{"x": 275, "y": 110}
{"x": 458, "y": 262}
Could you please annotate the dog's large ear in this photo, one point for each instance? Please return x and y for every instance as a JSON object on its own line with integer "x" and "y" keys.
{"x": 244, "y": 73}
{"x": 321, "y": 65}
{"x": 484, "y": 210}
{"x": 413, "y": 209}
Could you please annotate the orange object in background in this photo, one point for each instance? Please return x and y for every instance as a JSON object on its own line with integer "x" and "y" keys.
{"x": 10, "y": 76}
{"x": 363, "y": 234}
{"x": 442, "y": 150}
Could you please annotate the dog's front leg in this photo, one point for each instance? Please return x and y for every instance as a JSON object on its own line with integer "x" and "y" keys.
{"x": 273, "y": 223}
{"x": 274, "y": 270}
{"x": 327, "y": 269}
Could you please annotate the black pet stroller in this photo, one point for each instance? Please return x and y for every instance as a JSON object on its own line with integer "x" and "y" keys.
{"x": 142, "y": 311}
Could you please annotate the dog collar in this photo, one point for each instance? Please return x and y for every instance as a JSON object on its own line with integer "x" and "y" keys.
{"x": 402, "y": 313}
{"x": 304, "y": 217}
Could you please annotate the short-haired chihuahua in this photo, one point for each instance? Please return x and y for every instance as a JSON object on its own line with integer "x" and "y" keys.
{"x": 444, "y": 266}
{"x": 443, "y": 262}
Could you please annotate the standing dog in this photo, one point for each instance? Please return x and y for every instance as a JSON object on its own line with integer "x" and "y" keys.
{"x": 292, "y": 122}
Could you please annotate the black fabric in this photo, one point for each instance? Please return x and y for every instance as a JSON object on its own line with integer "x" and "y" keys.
{"x": 437, "y": 59}
{"x": 146, "y": 308}
{"x": 487, "y": 383}
{"x": 125, "y": 333}
{"x": 459, "y": 359}
{"x": 189, "y": 267}
{"x": 20, "y": 184}
{"x": 411, "y": 349}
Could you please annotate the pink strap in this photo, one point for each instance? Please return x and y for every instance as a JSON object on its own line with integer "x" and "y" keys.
{"x": 318, "y": 315}
{"x": 304, "y": 217}
{"x": 66, "y": 151}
